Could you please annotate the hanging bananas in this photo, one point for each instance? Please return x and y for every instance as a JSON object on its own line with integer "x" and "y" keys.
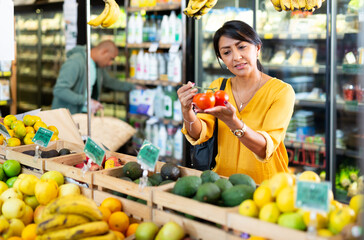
{"x": 198, "y": 8}
{"x": 293, "y": 5}
{"x": 108, "y": 16}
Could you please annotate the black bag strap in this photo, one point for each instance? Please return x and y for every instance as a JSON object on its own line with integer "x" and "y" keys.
{"x": 213, "y": 163}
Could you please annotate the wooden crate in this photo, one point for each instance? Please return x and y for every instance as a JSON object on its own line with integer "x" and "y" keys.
{"x": 164, "y": 200}
{"x": 29, "y": 161}
{"x": 135, "y": 210}
{"x": 268, "y": 230}
{"x": 110, "y": 179}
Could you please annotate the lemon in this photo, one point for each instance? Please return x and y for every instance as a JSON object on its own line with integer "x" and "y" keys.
{"x": 285, "y": 199}
{"x": 28, "y": 138}
{"x": 262, "y": 196}
{"x": 39, "y": 124}
{"x": 16, "y": 123}
{"x": 13, "y": 142}
{"x": 9, "y": 119}
{"x": 54, "y": 130}
{"x": 27, "y": 184}
{"x": 28, "y": 120}
{"x": 30, "y": 129}
{"x": 20, "y": 131}
{"x": 280, "y": 181}
{"x": 37, "y": 118}
{"x": 269, "y": 213}
{"x": 54, "y": 137}
{"x": 357, "y": 203}
{"x": 11, "y": 132}
{"x": 340, "y": 218}
{"x": 45, "y": 191}
{"x": 309, "y": 176}
{"x": 249, "y": 208}
{"x": 324, "y": 232}
{"x": 321, "y": 221}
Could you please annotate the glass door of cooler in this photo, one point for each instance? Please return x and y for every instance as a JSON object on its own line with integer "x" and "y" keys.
{"x": 295, "y": 50}
{"x": 207, "y": 68}
{"x": 348, "y": 87}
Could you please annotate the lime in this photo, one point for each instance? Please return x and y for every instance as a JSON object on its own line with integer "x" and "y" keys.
{"x": 2, "y": 174}
{"x": 9, "y": 119}
{"x": 11, "y": 168}
{"x": 10, "y": 182}
{"x": 28, "y": 120}
{"x": 54, "y": 175}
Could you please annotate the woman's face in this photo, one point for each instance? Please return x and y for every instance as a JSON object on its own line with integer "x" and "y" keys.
{"x": 240, "y": 57}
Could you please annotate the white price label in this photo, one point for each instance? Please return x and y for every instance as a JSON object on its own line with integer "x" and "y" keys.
{"x": 153, "y": 47}
{"x": 174, "y": 48}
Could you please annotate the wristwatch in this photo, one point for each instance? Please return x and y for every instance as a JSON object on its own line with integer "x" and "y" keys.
{"x": 239, "y": 132}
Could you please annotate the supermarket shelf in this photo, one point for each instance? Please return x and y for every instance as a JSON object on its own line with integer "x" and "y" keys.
{"x": 5, "y": 74}
{"x": 147, "y": 45}
{"x": 162, "y": 7}
{"x": 155, "y": 83}
{"x": 27, "y": 75}
{"x": 165, "y": 121}
{"x": 312, "y": 36}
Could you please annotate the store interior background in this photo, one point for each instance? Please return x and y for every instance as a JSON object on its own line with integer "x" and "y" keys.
{"x": 324, "y": 66}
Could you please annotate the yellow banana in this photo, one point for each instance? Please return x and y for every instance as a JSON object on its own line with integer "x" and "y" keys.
{"x": 310, "y": 5}
{"x": 302, "y": 4}
{"x": 108, "y": 236}
{"x": 295, "y": 5}
{"x": 197, "y": 5}
{"x": 99, "y": 19}
{"x": 318, "y": 4}
{"x": 188, "y": 10}
{"x": 113, "y": 15}
{"x": 211, "y": 3}
{"x": 277, "y": 3}
{"x": 81, "y": 231}
{"x": 60, "y": 221}
{"x": 75, "y": 204}
{"x": 286, "y": 5}
{"x": 278, "y": 8}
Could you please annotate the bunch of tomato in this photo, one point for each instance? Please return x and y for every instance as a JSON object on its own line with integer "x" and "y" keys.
{"x": 210, "y": 99}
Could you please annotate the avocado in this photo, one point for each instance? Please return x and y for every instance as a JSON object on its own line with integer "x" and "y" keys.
{"x": 223, "y": 184}
{"x": 292, "y": 220}
{"x": 49, "y": 154}
{"x": 29, "y": 152}
{"x": 237, "y": 194}
{"x": 149, "y": 184}
{"x": 187, "y": 186}
{"x": 126, "y": 179}
{"x": 208, "y": 192}
{"x": 64, "y": 151}
{"x": 170, "y": 171}
{"x": 209, "y": 176}
{"x": 132, "y": 170}
{"x": 165, "y": 182}
{"x": 155, "y": 179}
{"x": 240, "y": 178}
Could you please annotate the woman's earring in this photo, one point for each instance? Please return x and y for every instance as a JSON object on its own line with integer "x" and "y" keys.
{"x": 227, "y": 68}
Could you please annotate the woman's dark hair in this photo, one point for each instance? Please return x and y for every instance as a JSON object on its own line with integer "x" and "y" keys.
{"x": 240, "y": 31}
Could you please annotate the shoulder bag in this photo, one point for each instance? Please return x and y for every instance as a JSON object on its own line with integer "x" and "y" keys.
{"x": 203, "y": 155}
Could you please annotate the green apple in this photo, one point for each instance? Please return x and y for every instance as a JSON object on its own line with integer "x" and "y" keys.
{"x": 54, "y": 175}
{"x": 11, "y": 193}
{"x": 68, "y": 189}
{"x": 146, "y": 231}
{"x": 13, "y": 208}
{"x": 171, "y": 231}
{"x": 31, "y": 201}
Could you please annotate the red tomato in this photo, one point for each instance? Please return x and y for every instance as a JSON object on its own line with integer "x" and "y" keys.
{"x": 204, "y": 100}
{"x": 220, "y": 97}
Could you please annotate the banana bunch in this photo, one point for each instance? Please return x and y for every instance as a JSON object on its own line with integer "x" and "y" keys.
{"x": 197, "y": 8}
{"x": 293, "y": 5}
{"x": 108, "y": 16}
{"x": 73, "y": 217}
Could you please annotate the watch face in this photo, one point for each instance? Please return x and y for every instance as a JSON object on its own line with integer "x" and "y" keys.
{"x": 238, "y": 133}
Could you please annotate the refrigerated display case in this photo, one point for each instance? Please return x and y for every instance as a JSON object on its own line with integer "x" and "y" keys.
{"x": 301, "y": 49}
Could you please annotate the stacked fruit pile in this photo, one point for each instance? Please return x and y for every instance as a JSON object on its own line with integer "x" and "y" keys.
{"x": 108, "y": 16}
{"x": 22, "y": 132}
{"x": 293, "y": 5}
{"x": 198, "y": 8}
{"x": 274, "y": 201}
{"x": 169, "y": 231}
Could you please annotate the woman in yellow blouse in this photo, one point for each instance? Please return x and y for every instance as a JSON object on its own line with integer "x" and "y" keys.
{"x": 252, "y": 125}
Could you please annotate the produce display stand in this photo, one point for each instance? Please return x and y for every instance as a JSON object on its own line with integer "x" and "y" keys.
{"x": 39, "y": 164}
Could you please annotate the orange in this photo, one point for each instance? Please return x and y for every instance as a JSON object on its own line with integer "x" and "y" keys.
{"x": 54, "y": 137}
{"x": 39, "y": 124}
{"x": 13, "y": 142}
{"x": 29, "y": 232}
{"x": 113, "y": 204}
{"x": 119, "y": 221}
{"x": 54, "y": 129}
{"x": 105, "y": 213}
{"x": 119, "y": 235}
{"x": 131, "y": 229}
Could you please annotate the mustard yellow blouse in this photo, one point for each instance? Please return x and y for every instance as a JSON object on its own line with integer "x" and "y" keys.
{"x": 269, "y": 113}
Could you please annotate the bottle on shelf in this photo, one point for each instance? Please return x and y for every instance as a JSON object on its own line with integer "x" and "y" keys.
{"x": 159, "y": 102}
{"x": 155, "y": 130}
{"x": 138, "y": 29}
{"x": 133, "y": 64}
{"x": 152, "y": 37}
{"x": 139, "y": 65}
{"x": 177, "y": 111}
{"x": 172, "y": 27}
{"x": 153, "y": 67}
{"x": 164, "y": 30}
{"x": 169, "y": 142}
{"x": 170, "y": 95}
{"x": 162, "y": 140}
{"x": 131, "y": 29}
{"x": 145, "y": 66}
{"x": 179, "y": 26}
{"x": 178, "y": 145}
{"x": 146, "y": 27}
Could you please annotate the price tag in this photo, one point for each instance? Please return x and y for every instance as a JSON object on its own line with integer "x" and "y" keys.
{"x": 153, "y": 47}
{"x": 94, "y": 151}
{"x": 42, "y": 137}
{"x": 148, "y": 155}
{"x": 313, "y": 196}
{"x": 268, "y": 35}
{"x": 4, "y": 131}
{"x": 174, "y": 48}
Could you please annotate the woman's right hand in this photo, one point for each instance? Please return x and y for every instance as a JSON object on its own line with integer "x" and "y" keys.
{"x": 185, "y": 95}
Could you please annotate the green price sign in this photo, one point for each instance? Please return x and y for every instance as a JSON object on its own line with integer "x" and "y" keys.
{"x": 94, "y": 151}
{"x": 313, "y": 195}
{"x": 148, "y": 155}
{"x": 4, "y": 131}
{"x": 42, "y": 137}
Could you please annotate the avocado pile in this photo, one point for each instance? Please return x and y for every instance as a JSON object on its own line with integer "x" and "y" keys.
{"x": 210, "y": 188}
{"x": 49, "y": 154}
